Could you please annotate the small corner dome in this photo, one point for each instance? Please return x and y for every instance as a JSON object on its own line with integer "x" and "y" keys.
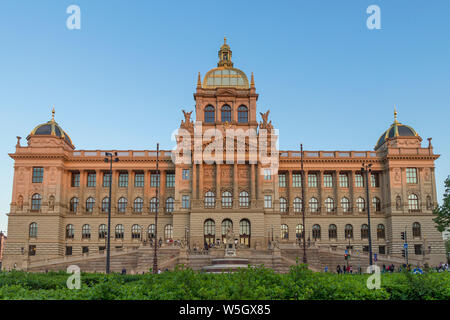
{"x": 51, "y": 128}
{"x": 396, "y": 130}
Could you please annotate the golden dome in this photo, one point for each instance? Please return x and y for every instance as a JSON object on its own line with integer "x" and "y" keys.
{"x": 225, "y": 75}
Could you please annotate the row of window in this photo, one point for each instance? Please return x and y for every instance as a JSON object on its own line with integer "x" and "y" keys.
{"x": 411, "y": 178}
{"x": 139, "y": 179}
{"x": 348, "y": 231}
{"x": 122, "y": 203}
{"x": 328, "y": 182}
{"x": 227, "y": 202}
{"x": 210, "y": 114}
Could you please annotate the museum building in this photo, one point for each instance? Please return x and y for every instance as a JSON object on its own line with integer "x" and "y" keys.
{"x": 60, "y": 195}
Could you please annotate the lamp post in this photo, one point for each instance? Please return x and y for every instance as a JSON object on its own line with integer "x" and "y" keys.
{"x": 366, "y": 169}
{"x": 109, "y": 159}
{"x": 155, "y": 254}
{"x": 303, "y": 204}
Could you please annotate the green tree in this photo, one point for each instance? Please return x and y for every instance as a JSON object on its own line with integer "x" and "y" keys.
{"x": 443, "y": 212}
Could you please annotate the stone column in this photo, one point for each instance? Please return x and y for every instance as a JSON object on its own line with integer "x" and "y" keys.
{"x": 218, "y": 172}
{"x": 290, "y": 199}
{"x": 253, "y": 185}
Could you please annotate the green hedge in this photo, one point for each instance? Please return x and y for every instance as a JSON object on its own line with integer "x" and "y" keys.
{"x": 252, "y": 283}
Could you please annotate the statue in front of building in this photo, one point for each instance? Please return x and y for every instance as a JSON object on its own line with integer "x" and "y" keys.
{"x": 230, "y": 247}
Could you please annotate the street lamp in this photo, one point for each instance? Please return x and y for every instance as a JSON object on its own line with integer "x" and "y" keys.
{"x": 366, "y": 169}
{"x": 109, "y": 159}
{"x": 303, "y": 204}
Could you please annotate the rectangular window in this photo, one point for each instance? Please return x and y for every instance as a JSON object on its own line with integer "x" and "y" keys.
{"x": 312, "y": 180}
{"x": 85, "y": 249}
{"x": 75, "y": 179}
{"x": 139, "y": 179}
{"x": 106, "y": 179}
{"x": 267, "y": 174}
{"x": 297, "y": 180}
{"x": 411, "y": 175}
{"x": 101, "y": 248}
{"x": 417, "y": 249}
{"x": 328, "y": 180}
{"x": 382, "y": 249}
{"x": 282, "y": 180}
{"x": 365, "y": 248}
{"x": 185, "y": 174}
{"x": 32, "y": 250}
{"x": 154, "y": 180}
{"x": 68, "y": 251}
{"x": 170, "y": 180}
{"x": 91, "y": 179}
{"x": 374, "y": 180}
{"x": 123, "y": 179}
{"x": 343, "y": 180}
{"x": 185, "y": 203}
{"x": 359, "y": 181}
{"x": 267, "y": 201}
{"x": 38, "y": 174}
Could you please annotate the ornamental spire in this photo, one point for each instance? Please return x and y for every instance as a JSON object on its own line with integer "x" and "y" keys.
{"x": 225, "y": 55}
{"x": 53, "y": 114}
{"x": 199, "y": 80}
{"x": 395, "y": 115}
{"x": 252, "y": 82}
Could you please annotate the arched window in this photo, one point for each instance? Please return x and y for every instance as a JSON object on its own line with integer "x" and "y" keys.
{"x": 120, "y": 230}
{"x": 169, "y": 205}
{"x": 380, "y": 231}
{"x": 168, "y": 232}
{"x": 298, "y": 205}
{"x": 210, "y": 199}
{"x": 364, "y": 231}
{"x": 105, "y": 204}
{"x": 210, "y": 114}
{"x": 86, "y": 231}
{"x": 102, "y": 231}
{"x": 227, "y": 199}
{"x": 283, "y": 205}
{"x": 226, "y": 224}
{"x": 243, "y": 199}
{"x": 345, "y": 204}
{"x": 348, "y": 231}
{"x": 90, "y": 203}
{"x": 332, "y": 231}
{"x": 376, "y": 204}
{"x": 153, "y": 204}
{"x": 135, "y": 231}
{"x": 329, "y": 204}
{"x": 209, "y": 231}
{"x": 226, "y": 113}
{"x": 122, "y": 205}
{"x": 413, "y": 202}
{"x": 299, "y": 231}
{"x": 313, "y": 205}
{"x": 36, "y": 201}
{"x": 242, "y": 114}
{"x": 138, "y": 204}
{"x": 416, "y": 229}
{"x": 70, "y": 231}
{"x": 33, "y": 230}
{"x": 151, "y": 231}
{"x": 244, "y": 232}
{"x": 73, "y": 205}
{"x": 284, "y": 231}
{"x": 361, "y": 204}
{"x": 316, "y": 231}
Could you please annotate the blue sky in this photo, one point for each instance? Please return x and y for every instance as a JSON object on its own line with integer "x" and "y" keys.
{"x": 122, "y": 80}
